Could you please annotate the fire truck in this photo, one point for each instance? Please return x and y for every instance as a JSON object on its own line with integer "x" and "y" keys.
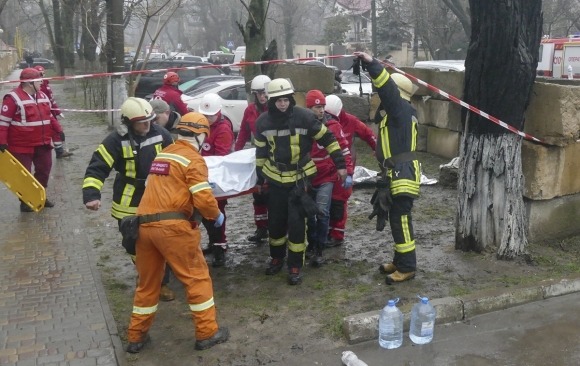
{"x": 556, "y": 54}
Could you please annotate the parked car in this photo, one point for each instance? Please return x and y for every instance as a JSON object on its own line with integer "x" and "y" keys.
{"x": 47, "y": 64}
{"x": 350, "y": 83}
{"x": 233, "y": 94}
{"x": 191, "y": 85}
{"x": 187, "y": 58}
{"x": 149, "y": 82}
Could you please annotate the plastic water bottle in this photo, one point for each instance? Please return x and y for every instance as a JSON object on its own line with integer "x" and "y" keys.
{"x": 570, "y": 72}
{"x": 422, "y": 322}
{"x": 350, "y": 359}
{"x": 391, "y": 326}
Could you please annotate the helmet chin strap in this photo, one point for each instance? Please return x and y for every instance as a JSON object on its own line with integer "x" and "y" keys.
{"x": 195, "y": 141}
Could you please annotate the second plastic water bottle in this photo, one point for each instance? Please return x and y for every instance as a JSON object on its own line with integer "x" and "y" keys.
{"x": 391, "y": 326}
{"x": 422, "y": 322}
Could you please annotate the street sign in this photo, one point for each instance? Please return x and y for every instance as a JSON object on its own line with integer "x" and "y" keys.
{"x": 230, "y": 44}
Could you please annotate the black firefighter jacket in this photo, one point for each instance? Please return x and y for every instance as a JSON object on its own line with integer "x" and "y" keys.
{"x": 115, "y": 152}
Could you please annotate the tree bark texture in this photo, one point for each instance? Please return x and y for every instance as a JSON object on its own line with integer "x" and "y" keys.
{"x": 500, "y": 71}
{"x": 491, "y": 210}
{"x": 58, "y": 37}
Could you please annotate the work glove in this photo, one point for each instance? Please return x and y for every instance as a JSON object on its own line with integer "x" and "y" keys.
{"x": 61, "y": 115}
{"x": 347, "y": 182}
{"x": 220, "y": 220}
{"x": 3, "y": 147}
{"x": 382, "y": 202}
{"x": 61, "y": 135}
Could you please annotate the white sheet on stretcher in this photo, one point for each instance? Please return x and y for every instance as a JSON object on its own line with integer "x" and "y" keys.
{"x": 233, "y": 173}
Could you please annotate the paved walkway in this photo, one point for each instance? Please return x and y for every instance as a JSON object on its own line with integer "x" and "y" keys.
{"x": 53, "y": 308}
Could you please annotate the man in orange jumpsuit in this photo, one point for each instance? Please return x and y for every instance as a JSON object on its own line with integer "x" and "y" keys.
{"x": 177, "y": 184}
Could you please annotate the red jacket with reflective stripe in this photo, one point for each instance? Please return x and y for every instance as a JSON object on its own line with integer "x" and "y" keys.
{"x": 221, "y": 138}
{"x": 172, "y": 96}
{"x": 325, "y": 169}
{"x": 248, "y": 126}
{"x": 25, "y": 122}
{"x": 45, "y": 88}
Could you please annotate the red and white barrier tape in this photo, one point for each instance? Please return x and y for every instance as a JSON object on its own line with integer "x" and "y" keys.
{"x": 268, "y": 62}
{"x": 470, "y": 107}
{"x": 87, "y": 110}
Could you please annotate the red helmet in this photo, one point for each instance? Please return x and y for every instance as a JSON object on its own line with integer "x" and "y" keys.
{"x": 39, "y": 68}
{"x": 29, "y": 73}
{"x": 170, "y": 78}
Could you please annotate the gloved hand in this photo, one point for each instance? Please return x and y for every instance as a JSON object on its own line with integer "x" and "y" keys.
{"x": 347, "y": 182}
{"x": 61, "y": 135}
{"x": 220, "y": 220}
{"x": 382, "y": 202}
{"x": 61, "y": 115}
{"x": 3, "y": 147}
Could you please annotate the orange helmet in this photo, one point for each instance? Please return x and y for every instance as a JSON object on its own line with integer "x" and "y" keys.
{"x": 170, "y": 78}
{"x": 29, "y": 73}
{"x": 39, "y": 68}
{"x": 193, "y": 123}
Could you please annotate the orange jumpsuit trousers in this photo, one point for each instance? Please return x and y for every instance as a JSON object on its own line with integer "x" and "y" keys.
{"x": 175, "y": 242}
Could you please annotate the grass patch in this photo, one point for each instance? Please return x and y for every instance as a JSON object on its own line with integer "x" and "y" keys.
{"x": 333, "y": 325}
{"x": 97, "y": 243}
{"x": 459, "y": 290}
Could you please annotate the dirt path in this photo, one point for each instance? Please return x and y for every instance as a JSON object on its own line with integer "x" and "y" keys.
{"x": 271, "y": 321}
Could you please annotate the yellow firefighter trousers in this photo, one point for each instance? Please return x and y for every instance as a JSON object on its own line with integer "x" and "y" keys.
{"x": 175, "y": 242}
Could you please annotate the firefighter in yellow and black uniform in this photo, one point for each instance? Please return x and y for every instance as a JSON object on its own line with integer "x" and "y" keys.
{"x": 284, "y": 138}
{"x": 130, "y": 151}
{"x": 401, "y": 176}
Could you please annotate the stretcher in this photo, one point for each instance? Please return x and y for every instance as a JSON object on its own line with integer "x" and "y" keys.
{"x": 21, "y": 182}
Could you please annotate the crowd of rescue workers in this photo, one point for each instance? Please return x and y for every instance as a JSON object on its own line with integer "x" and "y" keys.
{"x": 161, "y": 192}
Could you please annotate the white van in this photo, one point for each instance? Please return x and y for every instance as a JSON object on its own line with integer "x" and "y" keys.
{"x": 239, "y": 54}
{"x": 211, "y": 53}
{"x": 157, "y": 56}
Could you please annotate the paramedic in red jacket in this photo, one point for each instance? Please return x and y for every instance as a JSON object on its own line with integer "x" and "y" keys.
{"x": 57, "y": 140}
{"x": 247, "y": 128}
{"x": 26, "y": 128}
{"x": 170, "y": 93}
{"x": 350, "y": 126}
{"x": 219, "y": 143}
{"x": 325, "y": 179}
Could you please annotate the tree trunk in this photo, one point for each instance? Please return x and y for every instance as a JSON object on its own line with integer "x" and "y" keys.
{"x": 254, "y": 34}
{"x": 67, "y": 17}
{"x": 500, "y": 71}
{"x": 58, "y": 39}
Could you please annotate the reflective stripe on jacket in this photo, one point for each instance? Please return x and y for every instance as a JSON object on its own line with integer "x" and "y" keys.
{"x": 277, "y": 147}
{"x": 115, "y": 152}
{"x": 179, "y": 183}
{"x": 397, "y": 132}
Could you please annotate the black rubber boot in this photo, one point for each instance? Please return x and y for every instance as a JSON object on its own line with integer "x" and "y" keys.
{"x": 219, "y": 256}
{"x": 24, "y": 207}
{"x": 138, "y": 346}
{"x": 221, "y": 336}
{"x": 260, "y": 234}
{"x": 294, "y": 276}
{"x": 309, "y": 251}
{"x": 318, "y": 259}
{"x": 333, "y": 242}
{"x": 276, "y": 265}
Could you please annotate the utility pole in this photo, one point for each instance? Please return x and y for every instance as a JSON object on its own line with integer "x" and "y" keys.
{"x": 117, "y": 92}
{"x": 374, "y": 26}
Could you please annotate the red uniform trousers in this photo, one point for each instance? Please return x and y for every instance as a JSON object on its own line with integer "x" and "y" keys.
{"x": 338, "y": 211}
{"x": 175, "y": 242}
{"x": 261, "y": 209}
{"x": 42, "y": 160}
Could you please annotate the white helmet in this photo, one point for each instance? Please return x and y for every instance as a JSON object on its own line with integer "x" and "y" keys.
{"x": 333, "y": 105}
{"x": 279, "y": 87}
{"x": 405, "y": 85}
{"x": 259, "y": 83}
{"x": 136, "y": 110}
{"x": 210, "y": 104}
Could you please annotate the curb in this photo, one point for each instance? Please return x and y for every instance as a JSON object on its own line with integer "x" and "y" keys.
{"x": 365, "y": 326}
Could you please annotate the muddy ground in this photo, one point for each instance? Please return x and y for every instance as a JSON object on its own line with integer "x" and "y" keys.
{"x": 271, "y": 321}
